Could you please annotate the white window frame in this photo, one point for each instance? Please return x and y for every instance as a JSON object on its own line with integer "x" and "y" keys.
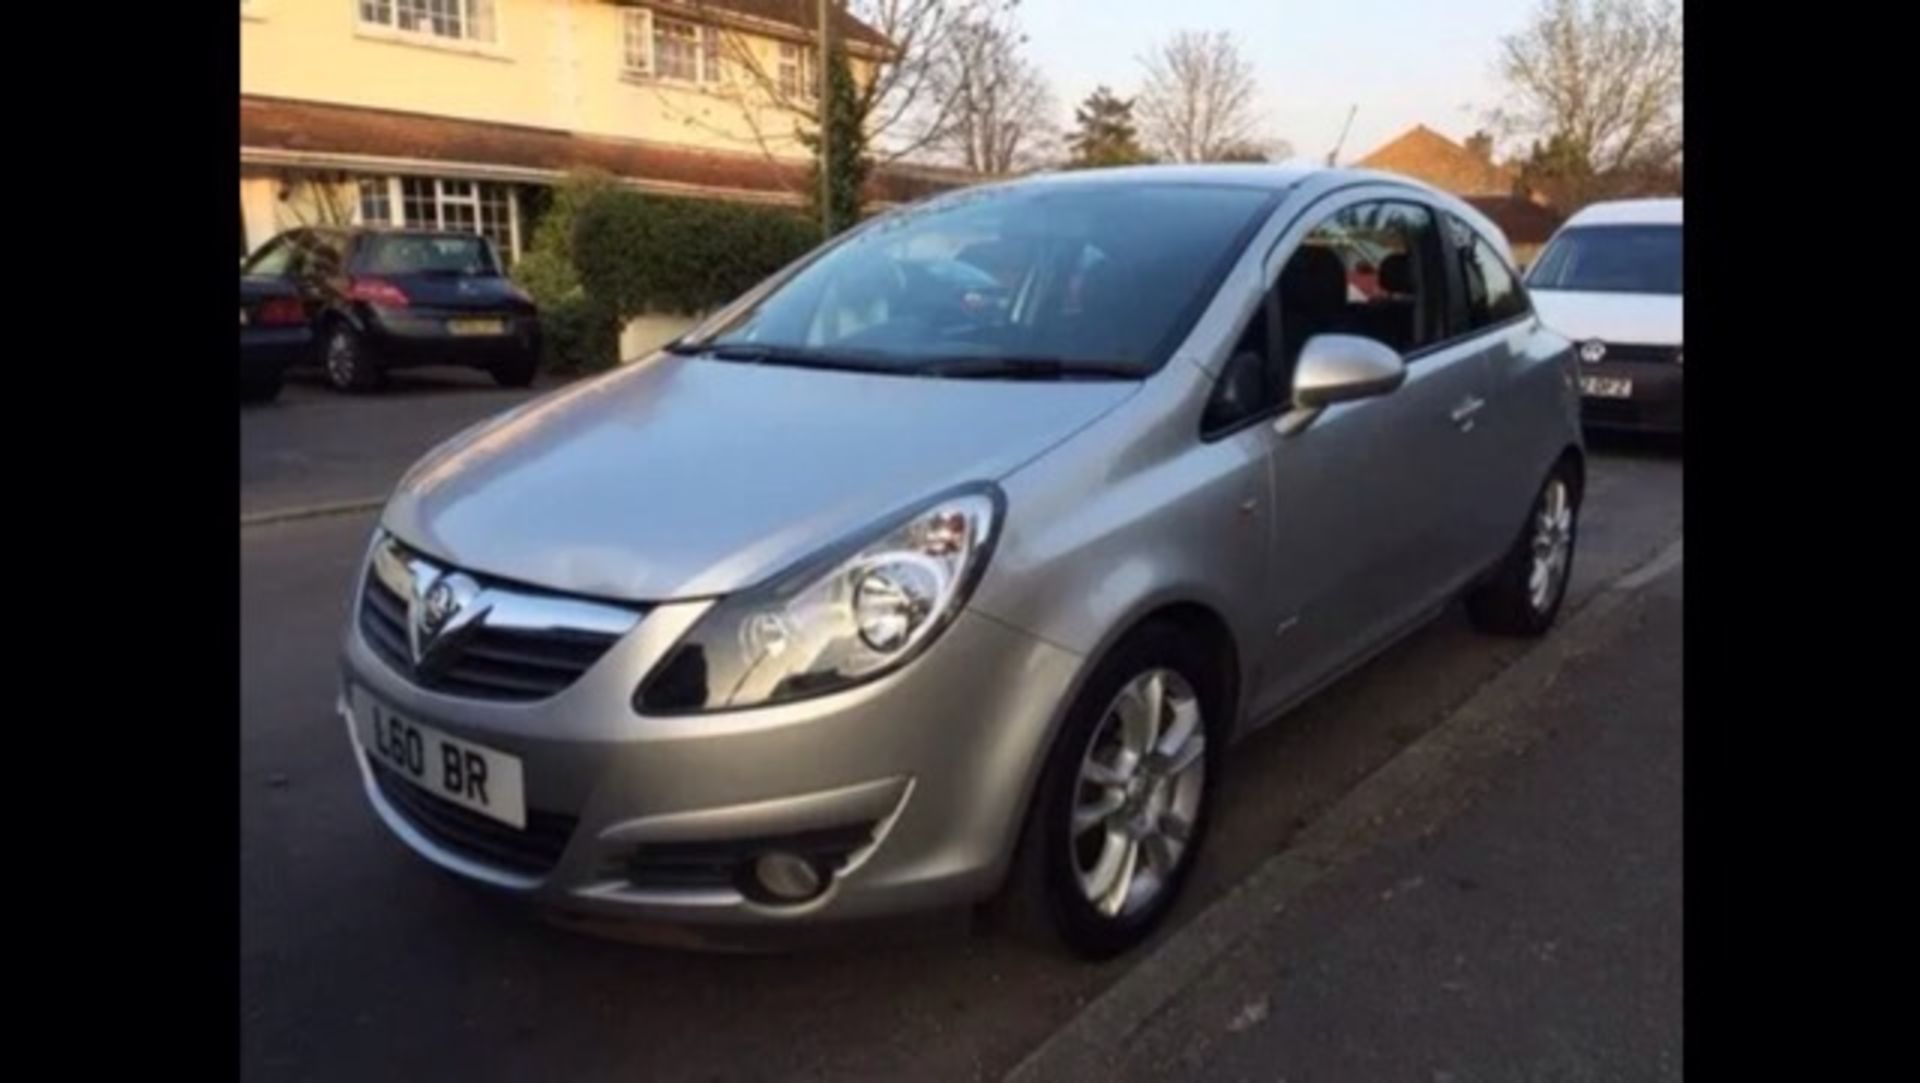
{"x": 389, "y": 29}
{"x": 709, "y": 66}
{"x": 397, "y": 210}
{"x": 800, "y": 58}
{"x": 636, "y": 28}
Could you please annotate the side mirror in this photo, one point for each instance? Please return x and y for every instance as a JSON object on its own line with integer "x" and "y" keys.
{"x": 1342, "y": 368}
{"x": 1339, "y": 368}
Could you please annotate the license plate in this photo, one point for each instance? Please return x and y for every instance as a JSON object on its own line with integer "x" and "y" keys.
{"x": 469, "y": 775}
{"x": 476, "y": 327}
{"x": 1606, "y": 387}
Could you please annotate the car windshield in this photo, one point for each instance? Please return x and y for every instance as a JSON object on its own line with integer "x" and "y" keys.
{"x": 417, "y": 254}
{"x": 1611, "y": 259}
{"x": 1041, "y": 279}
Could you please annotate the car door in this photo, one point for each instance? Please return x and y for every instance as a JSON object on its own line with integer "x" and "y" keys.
{"x": 1362, "y": 537}
{"x": 1493, "y": 324}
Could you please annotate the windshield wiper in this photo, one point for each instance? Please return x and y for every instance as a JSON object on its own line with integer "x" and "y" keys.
{"x": 1029, "y": 368}
{"x": 785, "y": 355}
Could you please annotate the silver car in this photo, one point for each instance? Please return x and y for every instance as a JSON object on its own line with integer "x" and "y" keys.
{"x": 898, "y": 585}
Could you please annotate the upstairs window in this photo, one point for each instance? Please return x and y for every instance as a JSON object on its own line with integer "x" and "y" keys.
{"x": 457, "y": 20}
{"x": 798, "y": 77}
{"x": 668, "y": 48}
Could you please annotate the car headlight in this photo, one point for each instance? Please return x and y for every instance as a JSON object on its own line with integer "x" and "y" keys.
{"x": 839, "y": 619}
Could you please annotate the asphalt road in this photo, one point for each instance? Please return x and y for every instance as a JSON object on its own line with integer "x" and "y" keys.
{"x": 360, "y": 961}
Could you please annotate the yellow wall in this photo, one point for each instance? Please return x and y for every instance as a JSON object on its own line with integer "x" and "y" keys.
{"x": 555, "y": 64}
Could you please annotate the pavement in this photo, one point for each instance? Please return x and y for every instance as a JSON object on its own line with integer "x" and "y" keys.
{"x": 360, "y": 961}
{"x": 1503, "y": 902}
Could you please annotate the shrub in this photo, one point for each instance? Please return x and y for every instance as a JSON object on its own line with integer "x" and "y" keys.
{"x": 577, "y": 333}
{"x": 636, "y": 253}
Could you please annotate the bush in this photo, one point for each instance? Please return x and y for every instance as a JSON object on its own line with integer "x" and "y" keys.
{"x": 577, "y": 335}
{"x": 637, "y": 253}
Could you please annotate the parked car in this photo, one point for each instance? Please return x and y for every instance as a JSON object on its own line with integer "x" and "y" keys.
{"x": 1610, "y": 279}
{"x": 832, "y": 609}
{"x": 381, "y": 299}
{"x": 274, "y": 333}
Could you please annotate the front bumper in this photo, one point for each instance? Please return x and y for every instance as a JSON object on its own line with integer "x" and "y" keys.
{"x": 934, "y": 762}
{"x": 1655, "y": 405}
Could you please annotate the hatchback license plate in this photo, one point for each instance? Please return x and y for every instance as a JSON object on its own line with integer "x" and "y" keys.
{"x": 476, "y": 327}
{"x": 469, "y": 775}
{"x": 1606, "y": 387}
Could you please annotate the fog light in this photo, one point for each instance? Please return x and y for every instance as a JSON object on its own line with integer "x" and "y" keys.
{"x": 788, "y": 877}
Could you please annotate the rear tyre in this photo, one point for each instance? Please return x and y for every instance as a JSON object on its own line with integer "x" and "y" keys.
{"x": 260, "y": 385}
{"x": 1124, "y": 799}
{"x": 349, "y": 360}
{"x": 515, "y": 372}
{"x": 1525, "y": 593}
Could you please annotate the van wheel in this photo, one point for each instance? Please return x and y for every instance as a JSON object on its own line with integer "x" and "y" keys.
{"x": 1123, "y": 802}
{"x": 1524, "y": 595}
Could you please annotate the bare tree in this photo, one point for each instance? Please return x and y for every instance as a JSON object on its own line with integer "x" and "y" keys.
{"x": 1598, "y": 83}
{"x": 999, "y": 116}
{"x": 1198, "y": 103}
{"x": 902, "y": 105}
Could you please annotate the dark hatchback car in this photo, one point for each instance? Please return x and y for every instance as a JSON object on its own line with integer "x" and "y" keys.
{"x": 274, "y": 334}
{"x": 382, "y": 299}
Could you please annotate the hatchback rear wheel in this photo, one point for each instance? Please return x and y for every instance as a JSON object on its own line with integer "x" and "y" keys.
{"x": 1525, "y": 593}
{"x": 349, "y": 361}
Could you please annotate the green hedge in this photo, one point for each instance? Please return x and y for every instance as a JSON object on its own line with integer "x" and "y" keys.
{"x": 637, "y": 253}
{"x": 577, "y": 333}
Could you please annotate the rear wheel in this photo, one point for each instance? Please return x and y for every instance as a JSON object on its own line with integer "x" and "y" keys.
{"x": 1123, "y": 801}
{"x": 349, "y": 361}
{"x": 1526, "y": 591}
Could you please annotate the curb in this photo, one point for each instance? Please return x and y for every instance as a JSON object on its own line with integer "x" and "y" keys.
{"x": 1418, "y": 786}
{"x": 310, "y": 511}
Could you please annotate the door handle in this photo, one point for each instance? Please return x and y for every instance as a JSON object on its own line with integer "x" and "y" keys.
{"x": 1462, "y": 414}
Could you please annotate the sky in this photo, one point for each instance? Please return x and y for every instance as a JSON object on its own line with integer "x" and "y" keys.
{"x": 1403, "y": 62}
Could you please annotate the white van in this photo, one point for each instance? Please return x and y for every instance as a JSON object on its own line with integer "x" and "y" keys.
{"x": 1610, "y": 280}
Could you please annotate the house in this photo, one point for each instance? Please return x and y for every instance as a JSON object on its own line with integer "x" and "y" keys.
{"x": 455, "y": 113}
{"x": 1469, "y": 171}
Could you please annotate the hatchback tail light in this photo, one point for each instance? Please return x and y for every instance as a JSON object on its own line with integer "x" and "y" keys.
{"x": 282, "y": 312}
{"x": 376, "y": 291}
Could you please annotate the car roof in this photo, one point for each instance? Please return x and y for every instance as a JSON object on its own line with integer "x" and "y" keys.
{"x": 1629, "y": 212}
{"x": 1279, "y": 177}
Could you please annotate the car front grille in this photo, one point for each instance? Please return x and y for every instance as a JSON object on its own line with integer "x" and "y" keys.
{"x": 523, "y": 646}
{"x": 533, "y": 852}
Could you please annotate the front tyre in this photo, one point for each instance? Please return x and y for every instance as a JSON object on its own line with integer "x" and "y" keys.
{"x": 1123, "y": 802}
{"x": 1525, "y": 593}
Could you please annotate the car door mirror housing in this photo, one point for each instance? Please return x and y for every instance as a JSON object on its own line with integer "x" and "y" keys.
{"x": 1343, "y": 368}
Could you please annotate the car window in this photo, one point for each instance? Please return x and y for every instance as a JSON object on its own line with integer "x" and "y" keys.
{"x": 427, "y": 254}
{"x": 1106, "y": 274}
{"x": 271, "y": 260}
{"x": 1611, "y": 259}
{"x": 1250, "y": 384}
{"x": 1490, "y": 292}
{"x": 1368, "y": 269}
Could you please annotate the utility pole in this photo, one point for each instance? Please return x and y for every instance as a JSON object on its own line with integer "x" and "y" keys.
{"x": 826, "y": 129}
